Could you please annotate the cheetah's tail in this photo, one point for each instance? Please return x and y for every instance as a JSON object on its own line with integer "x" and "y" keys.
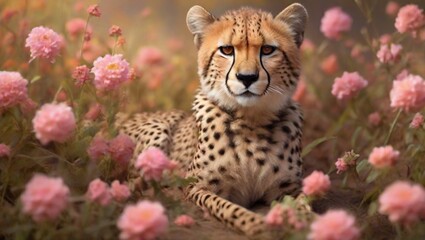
{"x": 231, "y": 214}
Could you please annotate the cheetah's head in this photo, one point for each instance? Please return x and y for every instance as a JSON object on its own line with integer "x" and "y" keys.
{"x": 248, "y": 58}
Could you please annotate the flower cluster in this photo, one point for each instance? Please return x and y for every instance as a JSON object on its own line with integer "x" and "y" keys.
{"x": 54, "y": 122}
{"x": 110, "y": 72}
{"x": 334, "y": 224}
{"x": 44, "y": 198}
{"x": 348, "y": 85}
{"x": 99, "y": 192}
{"x": 144, "y": 220}
{"x": 152, "y": 163}
{"x": 44, "y": 43}
{"x": 403, "y": 202}
{"x": 343, "y": 163}
{"x": 119, "y": 148}
{"x": 335, "y": 22}
{"x": 382, "y": 157}
{"x": 316, "y": 184}
{"x": 13, "y": 89}
{"x": 408, "y": 93}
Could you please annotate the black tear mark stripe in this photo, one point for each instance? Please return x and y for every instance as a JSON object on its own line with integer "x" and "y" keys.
{"x": 268, "y": 74}
{"x": 207, "y": 67}
{"x": 233, "y": 57}
{"x": 227, "y": 74}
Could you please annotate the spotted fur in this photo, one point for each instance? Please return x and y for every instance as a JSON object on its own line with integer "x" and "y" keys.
{"x": 242, "y": 143}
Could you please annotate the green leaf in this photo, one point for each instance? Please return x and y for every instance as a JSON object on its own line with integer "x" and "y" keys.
{"x": 35, "y": 79}
{"x": 355, "y": 136}
{"x": 373, "y": 176}
{"x": 362, "y": 165}
{"x": 373, "y": 207}
{"x": 314, "y": 144}
{"x": 183, "y": 182}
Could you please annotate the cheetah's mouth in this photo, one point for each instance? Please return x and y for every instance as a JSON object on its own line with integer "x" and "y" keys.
{"x": 247, "y": 94}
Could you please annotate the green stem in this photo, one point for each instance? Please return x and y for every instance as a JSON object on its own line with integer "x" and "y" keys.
{"x": 115, "y": 45}
{"x": 57, "y": 92}
{"x": 392, "y": 126}
{"x": 399, "y": 231}
{"x": 6, "y": 181}
{"x": 84, "y": 37}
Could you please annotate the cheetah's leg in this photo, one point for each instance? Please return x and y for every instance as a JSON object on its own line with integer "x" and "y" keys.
{"x": 227, "y": 212}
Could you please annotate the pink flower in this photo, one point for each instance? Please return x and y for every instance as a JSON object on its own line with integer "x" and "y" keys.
{"x": 120, "y": 192}
{"x": 389, "y": 54}
{"x": 28, "y": 106}
{"x": 110, "y": 71}
{"x": 334, "y": 225}
{"x": 121, "y": 149}
{"x": 94, "y": 112}
{"x": 176, "y": 44}
{"x": 76, "y": 26}
{"x": 145, "y": 220}
{"x": 54, "y": 122}
{"x": 94, "y": 10}
{"x": 402, "y": 75}
{"x": 81, "y": 74}
{"x": 417, "y": 121}
{"x": 341, "y": 165}
{"x": 316, "y": 184}
{"x": 184, "y": 221}
{"x": 307, "y": 46}
{"x": 153, "y": 162}
{"x": 348, "y": 85}
{"x": 382, "y": 157}
{"x": 4, "y": 150}
{"x": 374, "y": 119}
{"x": 98, "y": 192}
{"x": 408, "y": 93}
{"x": 403, "y": 202}
{"x": 274, "y": 217}
{"x": 13, "y": 89}
{"x": 392, "y": 8}
{"x": 149, "y": 56}
{"x": 44, "y": 198}
{"x": 146, "y": 12}
{"x": 8, "y": 13}
{"x": 115, "y": 30}
{"x": 356, "y": 52}
{"x": 300, "y": 91}
{"x": 385, "y": 39}
{"x": 330, "y": 64}
{"x": 98, "y": 148}
{"x": 334, "y": 22}
{"x": 44, "y": 43}
{"x": 409, "y": 19}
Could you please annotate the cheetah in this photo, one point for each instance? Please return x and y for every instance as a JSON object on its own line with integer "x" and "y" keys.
{"x": 242, "y": 143}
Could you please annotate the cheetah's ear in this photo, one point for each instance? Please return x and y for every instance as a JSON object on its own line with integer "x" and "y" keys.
{"x": 295, "y": 16}
{"x": 197, "y": 20}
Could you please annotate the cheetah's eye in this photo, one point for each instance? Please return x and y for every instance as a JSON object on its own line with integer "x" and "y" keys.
{"x": 267, "y": 49}
{"x": 227, "y": 50}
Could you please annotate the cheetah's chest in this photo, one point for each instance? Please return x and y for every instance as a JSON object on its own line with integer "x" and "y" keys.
{"x": 243, "y": 162}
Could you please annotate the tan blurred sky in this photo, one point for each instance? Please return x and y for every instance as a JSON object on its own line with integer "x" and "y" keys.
{"x": 167, "y": 17}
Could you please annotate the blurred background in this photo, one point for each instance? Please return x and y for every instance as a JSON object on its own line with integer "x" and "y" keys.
{"x": 168, "y": 16}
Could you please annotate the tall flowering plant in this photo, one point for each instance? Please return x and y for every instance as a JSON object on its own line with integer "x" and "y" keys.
{"x": 65, "y": 170}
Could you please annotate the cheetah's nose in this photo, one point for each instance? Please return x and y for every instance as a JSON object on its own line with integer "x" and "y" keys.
{"x": 247, "y": 79}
